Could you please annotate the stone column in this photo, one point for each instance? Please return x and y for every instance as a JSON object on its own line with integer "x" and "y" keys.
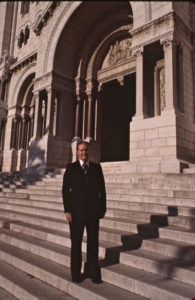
{"x": 169, "y": 46}
{"x": 84, "y": 117}
{"x": 13, "y": 134}
{"x": 90, "y": 118}
{"x": 77, "y": 134}
{"x": 139, "y": 84}
{"x": 50, "y": 111}
{"x": 36, "y": 116}
{"x": 2, "y": 90}
{"x": 22, "y": 135}
{"x": 55, "y": 111}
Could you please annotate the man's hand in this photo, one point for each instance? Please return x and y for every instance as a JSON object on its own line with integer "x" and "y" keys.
{"x": 69, "y": 217}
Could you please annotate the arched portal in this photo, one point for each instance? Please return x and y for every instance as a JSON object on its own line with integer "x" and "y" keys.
{"x": 22, "y": 124}
{"x": 94, "y": 59}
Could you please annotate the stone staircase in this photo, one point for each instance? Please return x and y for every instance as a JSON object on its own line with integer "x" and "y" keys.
{"x": 147, "y": 239}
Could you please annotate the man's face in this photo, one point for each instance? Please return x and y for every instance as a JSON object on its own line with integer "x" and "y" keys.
{"x": 83, "y": 152}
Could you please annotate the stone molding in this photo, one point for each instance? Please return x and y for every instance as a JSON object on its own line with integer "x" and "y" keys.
{"x": 47, "y": 13}
{"x": 149, "y": 25}
{"x": 54, "y": 81}
{"x": 158, "y": 29}
{"x": 21, "y": 64}
{"x": 168, "y": 25}
{"x": 116, "y": 71}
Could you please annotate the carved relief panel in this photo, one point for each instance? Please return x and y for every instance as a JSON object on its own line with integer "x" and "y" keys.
{"x": 118, "y": 52}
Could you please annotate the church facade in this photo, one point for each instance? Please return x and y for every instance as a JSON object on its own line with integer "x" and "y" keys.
{"x": 120, "y": 75}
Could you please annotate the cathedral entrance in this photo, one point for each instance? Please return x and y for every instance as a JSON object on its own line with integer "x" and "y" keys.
{"x": 118, "y": 107}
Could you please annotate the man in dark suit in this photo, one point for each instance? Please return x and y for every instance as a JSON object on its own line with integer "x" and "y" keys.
{"x": 84, "y": 199}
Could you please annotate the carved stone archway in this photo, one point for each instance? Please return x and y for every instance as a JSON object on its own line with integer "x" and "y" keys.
{"x": 88, "y": 80}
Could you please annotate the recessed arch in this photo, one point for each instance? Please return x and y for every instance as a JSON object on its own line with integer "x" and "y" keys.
{"x": 28, "y": 71}
{"x": 111, "y": 15}
{"x": 25, "y": 90}
{"x": 70, "y": 8}
{"x": 95, "y": 27}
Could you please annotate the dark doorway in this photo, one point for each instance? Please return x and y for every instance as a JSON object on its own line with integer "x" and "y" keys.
{"x": 118, "y": 107}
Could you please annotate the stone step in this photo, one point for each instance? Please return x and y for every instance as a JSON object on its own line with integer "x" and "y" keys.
{"x": 161, "y": 245}
{"x": 152, "y": 184}
{"x": 53, "y": 252}
{"x": 170, "y": 248}
{"x": 33, "y": 210}
{"x": 160, "y": 219}
{"x": 60, "y": 224}
{"x": 40, "y": 192}
{"x": 184, "y": 199}
{"x": 182, "y": 222}
{"x": 177, "y": 269}
{"x": 13, "y": 195}
{"x": 151, "y": 207}
{"x": 45, "y": 187}
{"x": 153, "y": 200}
{"x": 35, "y": 203}
{"x": 51, "y": 212}
{"x": 111, "y": 205}
{"x": 150, "y": 192}
{"x": 51, "y": 184}
{"x": 59, "y": 276}
{"x": 9, "y": 216}
{"x": 177, "y": 234}
{"x": 167, "y": 232}
{"x": 62, "y": 238}
{"x": 131, "y": 183}
{"x": 24, "y": 286}
{"x": 11, "y": 186}
{"x": 151, "y": 286}
{"x": 163, "y": 219}
{"x": 45, "y": 197}
{"x": 126, "y": 190}
{"x": 133, "y": 202}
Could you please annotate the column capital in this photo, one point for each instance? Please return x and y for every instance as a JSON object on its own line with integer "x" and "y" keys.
{"x": 80, "y": 84}
{"x": 138, "y": 52}
{"x": 36, "y": 94}
{"x": 168, "y": 43}
{"x": 79, "y": 98}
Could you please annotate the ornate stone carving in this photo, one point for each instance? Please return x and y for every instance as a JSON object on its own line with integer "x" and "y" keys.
{"x": 159, "y": 87}
{"x": 42, "y": 21}
{"x": 168, "y": 42}
{"x": 120, "y": 50}
{"x": 152, "y": 31}
{"x": 138, "y": 52}
{"x": 23, "y": 63}
{"x": 5, "y": 63}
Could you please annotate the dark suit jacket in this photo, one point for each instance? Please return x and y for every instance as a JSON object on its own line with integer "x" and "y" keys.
{"x": 84, "y": 196}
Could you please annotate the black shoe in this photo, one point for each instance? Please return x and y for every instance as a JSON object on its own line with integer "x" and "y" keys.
{"x": 79, "y": 278}
{"x": 96, "y": 280}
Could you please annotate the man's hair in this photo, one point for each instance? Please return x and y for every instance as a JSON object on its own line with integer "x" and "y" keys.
{"x": 82, "y": 143}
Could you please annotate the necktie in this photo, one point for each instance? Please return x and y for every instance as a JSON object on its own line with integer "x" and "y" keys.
{"x": 84, "y": 167}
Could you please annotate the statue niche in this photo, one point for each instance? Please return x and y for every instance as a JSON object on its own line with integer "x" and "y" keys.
{"x": 159, "y": 87}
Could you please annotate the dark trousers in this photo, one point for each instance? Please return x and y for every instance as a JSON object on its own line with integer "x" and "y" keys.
{"x": 76, "y": 233}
